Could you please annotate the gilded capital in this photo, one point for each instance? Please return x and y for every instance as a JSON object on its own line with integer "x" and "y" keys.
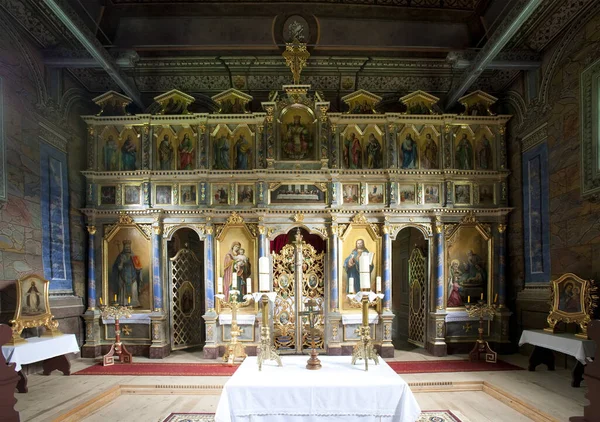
{"x": 501, "y": 228}
{"x": 209, "y": 230}
{"x": 91, "y": 230}
{"x": 262, "y": 230}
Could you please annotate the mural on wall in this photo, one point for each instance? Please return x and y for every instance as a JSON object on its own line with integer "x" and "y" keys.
{"x": 432, "y": 194}
{"x": 220, "y": 193}
{"x": 236, "y": 257}
{"x": 56, "y": 243}
{"x": 108, "y": 195}
{"x": 536, "y": 214}
{"x": 376, "y": 193}
{"x": 468, "y": 253}
{"x": 409, "y": 150}
{"x": 221, "y": 142}
{"x": 109, "y": 149}
{"x": 127, "y": 261}
{"x": 358, "y": 238}
{"x": 298, "y": 125}
{"x": 163, "y": 195}
{"x": 351, "y": 193}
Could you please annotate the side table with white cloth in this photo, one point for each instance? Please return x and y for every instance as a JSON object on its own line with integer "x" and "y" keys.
{"x": 545, "y": 342}
{"x": 51, "y": 351}
{"x": 338, "y": 391}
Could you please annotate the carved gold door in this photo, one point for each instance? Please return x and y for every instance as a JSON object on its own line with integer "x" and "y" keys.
{"x": 417, "y": 270}
{"x": 186, "y": 300}
{"x": 298, "y": 275}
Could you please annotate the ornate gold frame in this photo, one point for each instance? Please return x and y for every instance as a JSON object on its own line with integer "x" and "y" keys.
{"x": 45, "y": 319}
{"x": 235, "y": 221}
{"x": 485, "y": 232}
{"x": 587, "y": 298}
{"x": 139, "y": 186}
{"x": 110, "y": 231}
{"x": 471, "y": 193}
{"x": 180, "y": 193}
{"x": 359, "y": 221}
{"x": 155, "y": 197}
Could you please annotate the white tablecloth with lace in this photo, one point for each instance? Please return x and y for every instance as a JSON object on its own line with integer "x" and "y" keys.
{"x": 338, "y": 391}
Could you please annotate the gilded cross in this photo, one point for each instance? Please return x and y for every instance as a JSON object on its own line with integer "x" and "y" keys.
{"x": 126, "y": 330}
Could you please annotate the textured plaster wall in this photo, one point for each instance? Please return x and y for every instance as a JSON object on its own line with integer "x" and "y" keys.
{"x": 20, "y": 217}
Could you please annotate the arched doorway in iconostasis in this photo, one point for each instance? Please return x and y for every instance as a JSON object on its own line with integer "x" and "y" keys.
{"x": 410, "y": 275}
{"x": 299, "y": 269}
{"x": 185, "y": 275}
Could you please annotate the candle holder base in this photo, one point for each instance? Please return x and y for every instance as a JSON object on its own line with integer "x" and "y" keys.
{"x": 235, "y": 350}
{"x": 364, "y": 349}
{"x": 483, "y": 348}
{"x": 313, "y": 363}
{"x": 122, "y": 353}
{"x": 267, "y": 352}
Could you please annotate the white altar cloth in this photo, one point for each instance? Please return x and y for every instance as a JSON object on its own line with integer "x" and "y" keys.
{"x": 339, "y": 391}
{"x": 38, "y": 349}
{"x": 356, "y": 318}
{"x": 143, "y": 318}
{"x": 565, "y": 343}
{"x": 242, "y": 319}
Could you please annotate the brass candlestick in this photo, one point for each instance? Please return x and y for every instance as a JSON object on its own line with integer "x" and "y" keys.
{"x": 314, "y": 362}
{"x": 364, "y": 349}
{"x": 266, "y": 350}
{"x": 116, "y": 311}
{"x": 481, "y": 309}
{"x": 235, "y": 349}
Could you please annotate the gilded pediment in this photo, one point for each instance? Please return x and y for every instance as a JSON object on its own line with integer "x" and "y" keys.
{"x": 174, "y": 102}
{"x": 477, "y": 103}
{"x": 232, "y": 101}
{"x": 112, "y": 104}
{"x": 361, "y": 102}
{"x": 419, "y": 102}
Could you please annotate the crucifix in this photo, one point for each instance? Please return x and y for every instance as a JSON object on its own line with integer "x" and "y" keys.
{"x": 313, "y": 362}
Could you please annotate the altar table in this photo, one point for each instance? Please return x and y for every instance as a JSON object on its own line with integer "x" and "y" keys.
{"x": 339, "y": 391}
{"x": 545, "y": 342}
{"x": 51, "y": 350}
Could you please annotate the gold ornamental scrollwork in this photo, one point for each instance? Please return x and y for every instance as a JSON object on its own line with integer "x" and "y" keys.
{"x": 298, "y": 217}
{"x": 295, "y": 56}
{"x": 262, "y": 230}
{"x": 470, "y": 218}
{"x": 322, "y": 230}
{"x": 360, "y": 218}
{"x": 253, "y": 228}
{"x": 235, "y": 218}
{"x": 209, "y": 230}
{"x": 218, "y": 228}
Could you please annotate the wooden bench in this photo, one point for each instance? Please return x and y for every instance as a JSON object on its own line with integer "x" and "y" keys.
{"x": 545, "y": 343}
{"x": 51, "y": 351}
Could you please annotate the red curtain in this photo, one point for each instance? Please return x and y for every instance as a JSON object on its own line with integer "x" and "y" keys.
{"x": 283, "y": 239}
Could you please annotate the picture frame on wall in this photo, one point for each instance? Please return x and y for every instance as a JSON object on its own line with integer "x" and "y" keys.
{"x": 188, "y": 194}
{"x": 220, "y": 194}
{"x": 351, "y": 193}
{"x": 487, "y": 195}
{"x": 297, "y": 193}
{"x": 132, "y": 195}
{"x": 432, "y": 194}
{"x": 245, "y": 193}
{"x": 163, "y": 194}
{"x": 376, "y": 193}
{"x": 463, "y": 194}
{"x": 407, "y": 194}
{"x": 107, "y": 195}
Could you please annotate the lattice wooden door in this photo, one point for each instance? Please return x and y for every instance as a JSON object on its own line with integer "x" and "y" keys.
{"x": 186, "y": 300}
{"x": 417, "y": 271}
{"x": 298, "y": 261}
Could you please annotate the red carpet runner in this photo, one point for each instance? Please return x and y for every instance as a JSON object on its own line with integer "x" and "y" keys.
{"x": 218, "y": 369}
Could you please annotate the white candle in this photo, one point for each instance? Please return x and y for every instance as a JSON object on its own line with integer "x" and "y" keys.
{"x": 234, "y": 283}
{"x": 365, "y": 281}
{"x": 263, "y": 265}
{"x": 220, "y": 285}
{"x": 378, "y": 284}
{"x": 263, "y": 282}
{"x": 248, "y": 285}
{"x": 351, "y": 285}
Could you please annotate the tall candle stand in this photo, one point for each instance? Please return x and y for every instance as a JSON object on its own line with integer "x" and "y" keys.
{"x": 364, "y": 349}
{"x": 116, "y": 312}
{"x": 235, "y": 349}
{"x": 481, "y": 310}
{"x": 266, "y": 350}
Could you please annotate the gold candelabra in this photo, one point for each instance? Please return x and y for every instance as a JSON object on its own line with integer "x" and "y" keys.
{"x": 481, "y": 310}
{"x": 116, "y": 312}
{"x": 235, "y": 349}
{"x": 364, "y": 349}
{"x": 266, "y": 349}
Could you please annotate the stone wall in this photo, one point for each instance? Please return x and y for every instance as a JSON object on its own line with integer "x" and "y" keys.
{"x": 26, "y": 107}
